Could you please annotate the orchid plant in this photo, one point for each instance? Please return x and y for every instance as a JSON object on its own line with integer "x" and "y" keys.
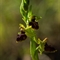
{"x": 29, "y": 30}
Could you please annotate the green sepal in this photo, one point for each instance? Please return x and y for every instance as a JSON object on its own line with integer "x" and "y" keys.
{"x": 21, "y": 25}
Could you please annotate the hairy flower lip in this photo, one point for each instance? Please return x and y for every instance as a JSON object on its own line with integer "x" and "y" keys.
{"x": 34, "y": 25}
{"x": 21, "y": 37}
{"x": 49, "y": 48}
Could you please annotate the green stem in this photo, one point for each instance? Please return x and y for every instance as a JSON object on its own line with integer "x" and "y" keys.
{"x": 33, "y": 52}
{"x": 24, "y": 11}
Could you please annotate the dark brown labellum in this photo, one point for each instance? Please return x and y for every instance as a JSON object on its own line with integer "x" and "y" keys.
{"x": 21, "y": 37}
{"x": 34, "y": 25}
{"x": 49, "y": 48}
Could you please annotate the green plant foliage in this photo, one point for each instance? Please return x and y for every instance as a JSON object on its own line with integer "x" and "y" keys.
{"x": 30, "y": 32}
{"x": 27, "y": 15}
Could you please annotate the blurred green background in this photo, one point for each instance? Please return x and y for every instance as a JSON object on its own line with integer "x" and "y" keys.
{"x": 10, "y": 18}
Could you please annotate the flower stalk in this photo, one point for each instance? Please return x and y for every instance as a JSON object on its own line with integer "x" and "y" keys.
{"x": 33, "y": 52}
